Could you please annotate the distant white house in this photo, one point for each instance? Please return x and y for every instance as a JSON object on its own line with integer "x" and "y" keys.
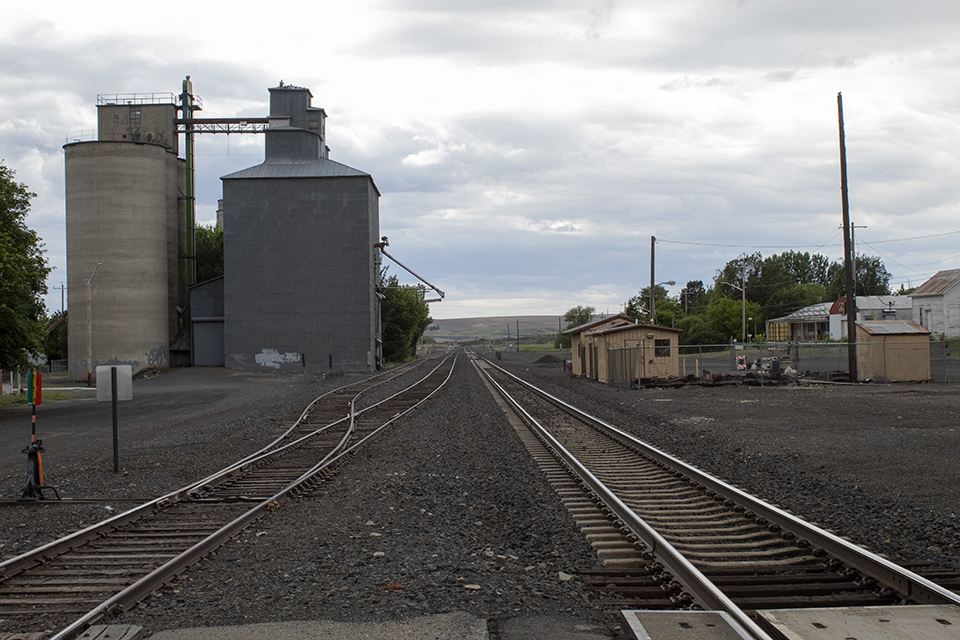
{"x": 809, "y": 324}
{"x": 827, "y": 320}
{"x": 936, "y": 304}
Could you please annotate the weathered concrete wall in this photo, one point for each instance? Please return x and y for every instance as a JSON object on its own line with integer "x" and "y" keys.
{"x": 299, "y": 285}
{"x": 118, "y": 212}
{"x": 150, "y": 123}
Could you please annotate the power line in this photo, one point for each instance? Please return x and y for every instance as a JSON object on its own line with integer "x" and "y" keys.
{"x": 740, "y": 246}
{"x": 888, "y": 258}
{"x": 925, "y": 264}
{"x": 801, "y": 246}
{"x": 932, "y": 235}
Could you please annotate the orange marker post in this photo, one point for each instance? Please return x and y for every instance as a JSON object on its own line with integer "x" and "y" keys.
{"x": 34, "y": 488}
{"x": 35, "y": 397}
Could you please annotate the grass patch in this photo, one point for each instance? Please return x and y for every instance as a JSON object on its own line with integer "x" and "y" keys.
{"x": 7, "y": 400}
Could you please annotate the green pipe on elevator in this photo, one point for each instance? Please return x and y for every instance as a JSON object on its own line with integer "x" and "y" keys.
{"x": 187, "y": 107}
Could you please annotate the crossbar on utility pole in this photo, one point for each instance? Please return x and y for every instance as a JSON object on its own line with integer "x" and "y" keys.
{"x": 847, "y": 257}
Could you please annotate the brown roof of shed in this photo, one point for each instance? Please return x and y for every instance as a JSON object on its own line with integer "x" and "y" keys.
{"x": 586, "y": 326}
{"x": 940, "y": 283}
{"x": 625, "y": 327}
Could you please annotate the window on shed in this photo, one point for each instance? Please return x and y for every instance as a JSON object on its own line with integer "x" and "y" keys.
{"x": 661, "y": 348}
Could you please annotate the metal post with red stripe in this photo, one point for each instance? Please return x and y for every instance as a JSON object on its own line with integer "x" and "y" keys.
{"x": 34, "y": 488}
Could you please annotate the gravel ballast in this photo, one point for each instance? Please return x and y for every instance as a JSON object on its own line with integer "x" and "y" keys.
{"x": 876, "y": 463}
{"x": 446, "y": 512}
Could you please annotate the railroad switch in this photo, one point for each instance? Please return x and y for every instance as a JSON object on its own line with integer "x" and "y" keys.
{"x": 34, "y": 488}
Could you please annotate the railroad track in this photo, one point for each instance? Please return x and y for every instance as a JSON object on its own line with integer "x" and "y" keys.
{"x": 107, "y": 568}
{"x": 674, "y": 537}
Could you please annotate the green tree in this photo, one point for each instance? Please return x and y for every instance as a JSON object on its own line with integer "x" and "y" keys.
{"x": 725, "y": 317}
{"x": 668, "y": 310}
{"x": 694, "y": 297}
{"x": 404, "y": 318}
{"x": 574, "y": 317}
{"x": 696, "y": 329}
{"x": 209, "y": 252}
{"x": 872, "y": 278}
{"x": 55, "y": 337}
{"x": 743, "y": 272}
{"x": 788, "y": 299}
{"x": 23, "y": 274}
{"x": 637, "y": 306}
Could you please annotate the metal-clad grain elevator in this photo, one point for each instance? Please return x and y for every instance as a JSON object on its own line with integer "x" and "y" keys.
{"x": 300, "y": 262}
{"x": 300, "y": 265}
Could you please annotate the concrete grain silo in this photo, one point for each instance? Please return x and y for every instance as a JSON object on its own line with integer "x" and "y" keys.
{"x": 124, "y": 212}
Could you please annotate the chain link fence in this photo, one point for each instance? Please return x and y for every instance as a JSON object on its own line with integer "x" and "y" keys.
{"x": 881, "y": 361}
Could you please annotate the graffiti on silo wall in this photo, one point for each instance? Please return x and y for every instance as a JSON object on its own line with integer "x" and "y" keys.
{"x": 273, "y": 358}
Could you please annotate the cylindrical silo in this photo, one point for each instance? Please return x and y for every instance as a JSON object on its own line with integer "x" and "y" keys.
{"x": 120, "y": 198}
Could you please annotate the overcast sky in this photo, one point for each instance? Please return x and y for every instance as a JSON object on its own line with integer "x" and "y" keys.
{"x": 527, "y": 150}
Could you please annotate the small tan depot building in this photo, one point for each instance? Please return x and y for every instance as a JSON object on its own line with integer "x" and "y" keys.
{"x": 621, "y": 349}
{"x": 893, "y": 351}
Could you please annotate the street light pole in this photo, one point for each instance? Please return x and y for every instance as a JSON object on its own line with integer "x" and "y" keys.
{"x": 743, "y": 311}
{"x": 90, "y": 329}
{"x": 743, "y": 307}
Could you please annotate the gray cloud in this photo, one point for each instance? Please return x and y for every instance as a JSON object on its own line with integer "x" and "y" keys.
{"x": 737, "y": 147}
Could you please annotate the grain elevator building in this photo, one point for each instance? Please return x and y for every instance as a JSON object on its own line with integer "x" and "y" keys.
{"x": 125, "y": 222}
{"x": 300, "y": 265}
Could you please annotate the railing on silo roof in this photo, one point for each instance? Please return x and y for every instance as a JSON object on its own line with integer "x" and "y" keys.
{"x": 104, "y": 99}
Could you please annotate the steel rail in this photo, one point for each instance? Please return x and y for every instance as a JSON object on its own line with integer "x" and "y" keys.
{"x": 30, "y": 559}
{"x": 267, "y": 452}
{"x": 693, "y": 581}
{"x": 146, "y": 585}
{"x": 905, "y": 582}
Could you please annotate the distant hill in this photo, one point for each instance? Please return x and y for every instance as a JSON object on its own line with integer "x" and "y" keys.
{"x": 461, "y": 329}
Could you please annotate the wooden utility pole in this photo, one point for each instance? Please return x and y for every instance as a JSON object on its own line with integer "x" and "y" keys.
{"x": 653, "y": 317}
{"x": 847, "y": 254}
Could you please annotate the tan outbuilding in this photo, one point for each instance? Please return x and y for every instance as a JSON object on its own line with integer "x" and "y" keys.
{"x": 626, "y": 353}
{"x": 893, "y": 351}
{"x": 579, "y": 356}
{"x": 620, "y": 349}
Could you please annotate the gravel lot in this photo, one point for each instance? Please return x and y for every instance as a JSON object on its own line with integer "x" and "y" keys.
{"x": 877, "y": 463}
{"x": 448, "y": 500}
